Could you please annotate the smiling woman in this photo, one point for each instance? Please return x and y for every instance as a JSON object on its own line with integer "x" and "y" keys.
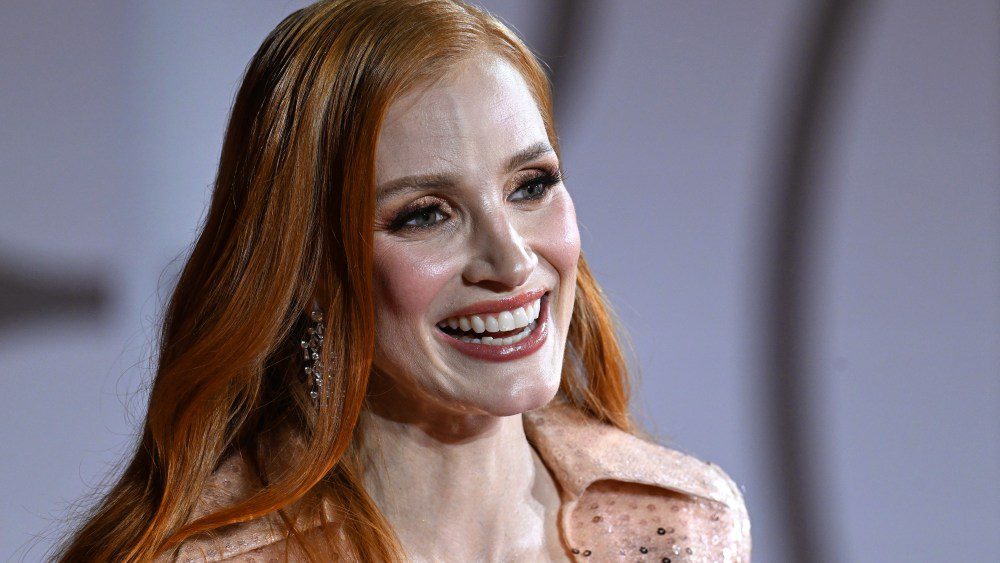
{"x": 494, "y": 231}
{"x": 386, "y": 344}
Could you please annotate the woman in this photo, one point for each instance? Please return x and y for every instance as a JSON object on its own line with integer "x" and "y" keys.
{"x": 386, "y": 345}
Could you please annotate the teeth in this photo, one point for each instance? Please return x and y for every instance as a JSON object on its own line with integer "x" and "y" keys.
{"x": 496, "y": 322}
{"x": 489, "y": 340}
{"x": 520, "y": 317}
{"x": 506, "y": 321}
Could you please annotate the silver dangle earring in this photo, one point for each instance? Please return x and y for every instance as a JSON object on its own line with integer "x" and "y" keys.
{"x": 311, "y": 345}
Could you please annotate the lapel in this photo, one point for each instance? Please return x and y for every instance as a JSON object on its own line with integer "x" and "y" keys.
{"x": 580, "y": 450}
{"x": 577, "y": 449}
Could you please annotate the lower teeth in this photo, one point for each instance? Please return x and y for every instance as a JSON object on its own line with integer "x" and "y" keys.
{"x": 489, "y": 340}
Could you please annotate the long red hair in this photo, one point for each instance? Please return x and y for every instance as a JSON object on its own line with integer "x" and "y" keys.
{"x": 291, "y": 220}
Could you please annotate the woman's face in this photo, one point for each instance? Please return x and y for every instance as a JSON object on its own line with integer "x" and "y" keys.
{"x": 476, "y": 246}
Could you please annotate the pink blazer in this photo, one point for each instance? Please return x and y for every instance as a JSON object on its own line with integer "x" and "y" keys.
{"x": 623, "y": 499}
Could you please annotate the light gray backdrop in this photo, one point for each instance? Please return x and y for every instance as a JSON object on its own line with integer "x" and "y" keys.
{"x": 673, "y": 115}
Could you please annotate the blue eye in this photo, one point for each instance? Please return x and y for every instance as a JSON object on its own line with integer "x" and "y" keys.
{"x": 423, "y": 218}
{"x": 536, "y": 189}
{"x": 426, "y": 217}
{"x": 539, "y": 186}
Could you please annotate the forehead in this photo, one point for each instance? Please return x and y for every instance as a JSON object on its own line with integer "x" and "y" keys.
{"x": 474, "y": 118}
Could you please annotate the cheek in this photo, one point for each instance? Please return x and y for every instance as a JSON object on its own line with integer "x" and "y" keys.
{"x": 407, "y": 280}
{"x": 556, "y": 238}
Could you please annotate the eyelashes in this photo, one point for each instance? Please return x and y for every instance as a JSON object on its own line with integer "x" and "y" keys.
{"x": 419, "y": 216}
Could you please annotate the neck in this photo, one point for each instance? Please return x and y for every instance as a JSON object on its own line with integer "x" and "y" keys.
{"x": 459, "y": 486}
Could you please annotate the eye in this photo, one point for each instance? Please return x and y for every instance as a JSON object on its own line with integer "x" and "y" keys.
{"x": 423, "y": 214}
{"x": 420, "y": 218}
{"x": 536, "y": 187}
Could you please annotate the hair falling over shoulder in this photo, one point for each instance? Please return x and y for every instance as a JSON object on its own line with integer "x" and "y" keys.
{"x": 291, "y": 221}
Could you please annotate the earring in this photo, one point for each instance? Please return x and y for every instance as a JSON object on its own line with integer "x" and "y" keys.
{"x": 310, "y": 350}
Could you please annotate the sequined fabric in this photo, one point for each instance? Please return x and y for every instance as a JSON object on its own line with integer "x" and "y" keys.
{"x": 626, "y": 499}
{"x": 623, "y": 499}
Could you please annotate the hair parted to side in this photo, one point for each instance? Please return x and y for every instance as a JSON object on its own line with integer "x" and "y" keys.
{"x": 291, "y": 220}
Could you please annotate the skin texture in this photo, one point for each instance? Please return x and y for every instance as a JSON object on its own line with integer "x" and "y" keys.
{"x": 458, "y": 479}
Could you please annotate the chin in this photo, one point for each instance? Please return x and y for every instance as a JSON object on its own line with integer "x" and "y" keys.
{"x": 523, "y": 399}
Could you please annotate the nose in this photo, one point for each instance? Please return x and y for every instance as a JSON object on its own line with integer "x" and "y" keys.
{"x": 500, "y": 254}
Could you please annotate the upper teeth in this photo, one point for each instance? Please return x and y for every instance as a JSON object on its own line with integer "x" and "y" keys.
{"x": 496, "y": 322}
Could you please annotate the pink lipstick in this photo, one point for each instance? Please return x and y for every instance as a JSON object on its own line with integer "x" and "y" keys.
{"x": 499, "y": 330}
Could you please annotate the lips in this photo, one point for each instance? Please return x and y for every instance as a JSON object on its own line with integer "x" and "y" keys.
{"x": 499, "y": 330}
{"x": 498, "y": 305}
{"x": 502, "y": 325}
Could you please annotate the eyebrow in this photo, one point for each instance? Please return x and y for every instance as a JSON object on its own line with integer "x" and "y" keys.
{"x": 426, "y": 181}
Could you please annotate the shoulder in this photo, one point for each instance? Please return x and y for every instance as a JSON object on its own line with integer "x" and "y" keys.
{"x": 624, "y": 495}
{"x": 228, "y": 484}
{"x": 259, "y": 539}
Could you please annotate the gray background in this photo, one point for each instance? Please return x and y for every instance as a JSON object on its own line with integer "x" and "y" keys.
{"x": 675, "y": 123}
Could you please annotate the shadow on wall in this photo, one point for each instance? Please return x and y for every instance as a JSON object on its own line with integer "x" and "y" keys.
{"x": 796, "y": 154}
{"x": 31, "y": 293}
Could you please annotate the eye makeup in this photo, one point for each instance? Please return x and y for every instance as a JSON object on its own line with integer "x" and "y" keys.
{"x": 428, "y": 212}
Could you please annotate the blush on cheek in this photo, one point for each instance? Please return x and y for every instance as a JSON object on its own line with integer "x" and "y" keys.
{"x": 558, "y": 239}
{"x": 407, "y": 281}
